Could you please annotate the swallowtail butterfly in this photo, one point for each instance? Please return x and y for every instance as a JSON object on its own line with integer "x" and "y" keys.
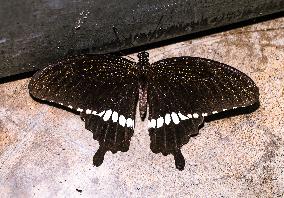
{"x": 179, "y": 92}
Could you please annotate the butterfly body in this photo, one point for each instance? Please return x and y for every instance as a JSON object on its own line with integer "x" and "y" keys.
{"x": 179, "y": 92}
{"x": 142, "y": 66}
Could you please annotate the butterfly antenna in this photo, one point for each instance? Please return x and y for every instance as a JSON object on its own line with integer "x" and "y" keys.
{"x": 116, "y": 33}
{"x": 117, "y": 37}
{"x": 159, "y": 23}
{"x": 157, "y": 27}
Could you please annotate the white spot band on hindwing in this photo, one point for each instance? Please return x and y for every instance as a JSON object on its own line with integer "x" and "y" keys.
{"x": 110, "y": 115}
{"x": 106, "y": 116}
{"x": 176, "y": 118}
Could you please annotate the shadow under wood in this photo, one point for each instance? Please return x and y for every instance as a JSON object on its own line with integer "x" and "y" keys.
{"x": 16, "y": 77}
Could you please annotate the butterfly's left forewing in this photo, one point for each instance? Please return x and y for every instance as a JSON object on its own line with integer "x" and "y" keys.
{"x": 183, "y": 90}
{"x": 103, "y": 88}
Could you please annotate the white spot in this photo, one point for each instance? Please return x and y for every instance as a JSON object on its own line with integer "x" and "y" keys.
{"x": 122, "y": 120}
{"x": 225, "y": 109}
{"x": 204, "y": 114}
{"x": 189, "y": 115}
{"x": 182, "y": 117}
{"x": 195, "y": 115}
{"x": 235, "y": 107}
{"x": 88, "y": 111}
{"x": 61, "y": 103}
{"x": 107, "y": 115}
{"x": 160, "y": 122}
{"x": 167, "y": 119}
{"x": 152, "y": 123}
{"x": 129, "y": 122}
{"x": 101, "y": 114}
{"x": 214, "y": 112}
{"x": 114, "y": 116}
{"x": 175, "y": 118}
{"x": 80, "y": 110}
{"x": 70, "y": 107}
{"x": 94, "y": 113}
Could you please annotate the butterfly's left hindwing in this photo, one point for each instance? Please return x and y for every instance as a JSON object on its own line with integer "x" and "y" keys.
{"x": 183, "y": 90}
{"x": 103, "y": 88}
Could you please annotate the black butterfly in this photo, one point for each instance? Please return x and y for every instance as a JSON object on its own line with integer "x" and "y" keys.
{"x": 179, "y": 93}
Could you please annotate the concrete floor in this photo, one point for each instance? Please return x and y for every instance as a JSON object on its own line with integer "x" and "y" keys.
{"x": 46, "y": 151}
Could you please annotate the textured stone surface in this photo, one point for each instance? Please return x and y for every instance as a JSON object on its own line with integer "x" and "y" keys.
{"x": 46, "y": 152}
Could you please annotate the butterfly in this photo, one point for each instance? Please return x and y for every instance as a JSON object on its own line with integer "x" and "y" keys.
{"x": 178, "y": 93}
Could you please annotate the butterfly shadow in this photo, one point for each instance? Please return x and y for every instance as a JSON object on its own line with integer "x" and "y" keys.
{"x": 55, "y": 105}
{"x": 232, "y": 113}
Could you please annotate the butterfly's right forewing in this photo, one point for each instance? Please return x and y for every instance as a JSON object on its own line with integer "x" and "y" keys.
{"x": 103, "y": 88}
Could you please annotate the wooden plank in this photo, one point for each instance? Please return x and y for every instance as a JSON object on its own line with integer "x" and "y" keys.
{"x": 33, "y": 34}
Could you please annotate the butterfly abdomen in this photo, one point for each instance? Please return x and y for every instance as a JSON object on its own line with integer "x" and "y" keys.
{"x": 143, "y": 99}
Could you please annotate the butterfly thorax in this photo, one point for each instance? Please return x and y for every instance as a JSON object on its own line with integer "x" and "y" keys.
{"x": 143, "y": 62}
{"x": 142, "y": 65}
